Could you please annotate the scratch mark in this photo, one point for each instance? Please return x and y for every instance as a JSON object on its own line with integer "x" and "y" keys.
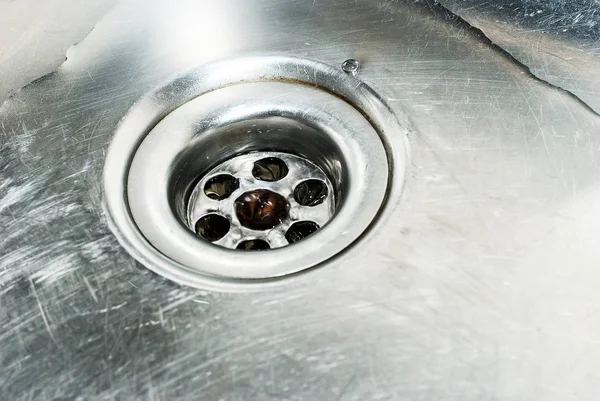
{"x": 92, "y": 291}
{"x": 178, "y": 302}
{"x": 96, "y": 126}
{"x": 89, "y": 139}
{"x": 42, "y": 312}
{"x": 90, "y": 75}
{"x": 345, "y": 388}
{"x": 111, "y": 308}
{"x": 161, "y": 317}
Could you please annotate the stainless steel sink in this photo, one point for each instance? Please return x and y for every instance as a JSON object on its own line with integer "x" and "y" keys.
{"x": 455, "y": 259}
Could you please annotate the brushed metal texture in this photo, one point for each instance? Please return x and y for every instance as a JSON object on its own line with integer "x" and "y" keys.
{"x": 482, "y": 286}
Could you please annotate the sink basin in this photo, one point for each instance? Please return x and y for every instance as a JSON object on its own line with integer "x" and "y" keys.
{"x": 456, "y": 260}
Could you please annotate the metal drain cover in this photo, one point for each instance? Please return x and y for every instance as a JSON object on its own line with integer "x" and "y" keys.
{"x": 285, "y": 155}
{"x": 261, "y": 199}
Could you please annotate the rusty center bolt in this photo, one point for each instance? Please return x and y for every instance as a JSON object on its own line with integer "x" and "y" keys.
{"x": 260, "y": 209}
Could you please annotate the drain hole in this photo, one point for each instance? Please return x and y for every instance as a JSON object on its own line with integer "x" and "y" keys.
{"x": 221, "y": 186}
{"x": 212, "y": 227}
{"x": 260, "y": 209}
{"x": 253, "y": 245}
{"x": 300, "y": 230}
{"x": 311, "y": 192}
{"x": 249, "y": 207}
{"x": 269, "y": 169}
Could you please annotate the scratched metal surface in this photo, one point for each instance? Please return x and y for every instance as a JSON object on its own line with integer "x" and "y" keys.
{"x": 483, "y": 287}
{"x": 34, "y": 36}
{"x": 556, "y": 40}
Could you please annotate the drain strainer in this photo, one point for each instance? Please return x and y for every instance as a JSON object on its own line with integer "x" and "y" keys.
{"x": 261, "y": 200}
{"x": 234, "y": 175}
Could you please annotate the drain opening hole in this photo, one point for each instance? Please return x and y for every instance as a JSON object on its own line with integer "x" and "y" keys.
{"x": 260, "y": 209}
{"x": 212, "y": 227}
{"x": 249, "y": 208}
{"x": 253, "y": 245}
{"x": 221, "y": 186}
{"x": 269, "y": 169}
{"x": 300, "y": 230}
{"x": 311, "y": 192}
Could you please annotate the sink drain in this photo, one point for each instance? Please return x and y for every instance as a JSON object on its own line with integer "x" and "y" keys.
{"x": 261, "y": 200}
{"x": 228, "y": 176}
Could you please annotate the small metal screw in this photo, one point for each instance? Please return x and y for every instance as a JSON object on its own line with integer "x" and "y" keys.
{"x": 351, "y": 66}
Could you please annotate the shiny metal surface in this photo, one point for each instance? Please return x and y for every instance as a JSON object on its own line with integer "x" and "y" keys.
{"x": 241, "y": 167}
{"x": 145, "y": 175}
{"x": 482, "y": 284}
{"x": 35, "y": 36}
{"x": 555, "y": 40}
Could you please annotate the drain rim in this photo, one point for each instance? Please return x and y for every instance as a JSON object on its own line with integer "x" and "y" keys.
{"x": 147, "y": 112}
{"x": 183, "y": 137}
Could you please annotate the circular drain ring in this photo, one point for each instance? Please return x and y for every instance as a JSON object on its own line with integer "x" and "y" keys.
{"x": 183, "y": 132}
{"x": 154, "y": 107}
